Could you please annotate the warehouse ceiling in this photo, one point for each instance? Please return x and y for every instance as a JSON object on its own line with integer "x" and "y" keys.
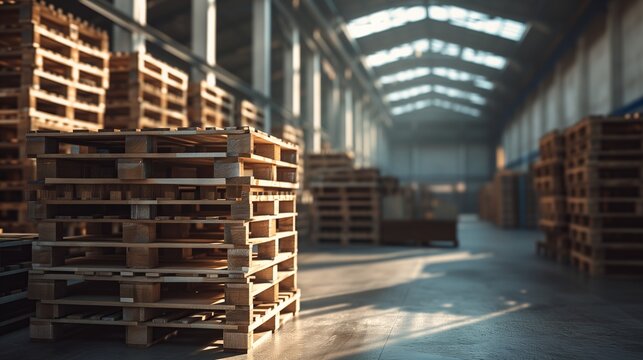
{"x": 431, "y": 60}
{"x": 453, "y": 59}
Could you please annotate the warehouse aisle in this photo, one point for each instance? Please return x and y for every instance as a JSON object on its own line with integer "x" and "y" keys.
{"x": 490, "y": 299}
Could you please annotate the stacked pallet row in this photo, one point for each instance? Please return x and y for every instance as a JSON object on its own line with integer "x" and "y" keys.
{"x": 346, "y": 201}
{"x": 210, "y": 106}
{"x": 15, "y": 262}
{"x": 53, "y": 75}
{"x": 186, "y": 229}
{"x": 505, "y": 199}
{"x": 604, "y": 180}
{"x": 145, "y": 93}
{"x": 549, "y": 182}
{"x": 486, "y": 204}
{"x": 250, "y": 115}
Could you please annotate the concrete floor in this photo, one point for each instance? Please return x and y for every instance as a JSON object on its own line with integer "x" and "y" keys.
{"x": 490, "y": 299}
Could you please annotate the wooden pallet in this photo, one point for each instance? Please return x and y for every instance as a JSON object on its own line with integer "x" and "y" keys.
{"x": 551, "y": 146}
{"x": 145, "y": 93}
{"x": 186, "y": 228}
{"x": 15, "y": 262}
{"x": 211, "y": 106}
{"x": 251, "y": 115}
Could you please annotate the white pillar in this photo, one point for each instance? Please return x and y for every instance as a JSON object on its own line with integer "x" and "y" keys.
{"x": 122, "y": 39}
{"x": 204, "y": 37}
{"x": 348, "y": 119}
{"x": 357, "y": 126}
{"x": 335, "y": 113}
{"x": 261, "y": 38}
{"x": 615, "y": 53}
{"x": 292, "y": 74}
{"x": 313, "y": 103}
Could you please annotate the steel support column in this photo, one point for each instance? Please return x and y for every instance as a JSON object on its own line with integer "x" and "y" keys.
{"x": 348, "y": 120}
{"x": 123, "y": 40}
{"x": 313, "y": 103}
{"x": 292, "y": 74}
{"x": 261, "y": 66}
{"x": 204, "y": 37}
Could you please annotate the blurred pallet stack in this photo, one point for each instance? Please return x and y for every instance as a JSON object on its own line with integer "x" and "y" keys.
{"x": 250, "y": 115}
{"x": 15, "y": 262}
{"x": 186, "y": 229}
{"x": 505, "y": 198}
{"x": 145, "y": 93}
{"x": 210, "y": 106}
{"x": 604, "y": 180}
{"x": 53, "y": 75}
{"x": 549, "y": 182}
{"x": 486, "y": 203}
{"x": 346, "y": 201}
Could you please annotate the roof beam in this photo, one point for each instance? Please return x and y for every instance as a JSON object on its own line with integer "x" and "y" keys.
{"x": 433, "y": 95}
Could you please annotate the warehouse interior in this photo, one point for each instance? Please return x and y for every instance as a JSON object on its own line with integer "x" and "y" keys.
{"x": 324, "y": 179}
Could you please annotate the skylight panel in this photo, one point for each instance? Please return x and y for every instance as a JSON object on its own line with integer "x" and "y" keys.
{"x": 418, "y": 47}
{"x": 437, "y": 103}
{"x": 460, "y": 94}
{"x": 458, "y": 75}
{"x": 409, "y": 93}
{"x": 399, "y": 52}
{"x": 385, "y": 20}
{"x": 477, "y": 21}
{"x": 483, "y": 58}
{"x": 405, "y": 75}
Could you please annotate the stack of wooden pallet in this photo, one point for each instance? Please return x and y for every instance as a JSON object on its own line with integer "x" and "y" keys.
{"x": 145, "y": 93}
{"x": 186, "y": 229}
{"x": 506, "y": 198}
{"x": 486, "y": 204}
{"x": 53, "y": 75}
{"x": 346, "y": 205}
{"x": 210, "y": 106}
{"x": 250, "y": 115}
{"x": 15, "y": 262}
{"x": 549, "y": 182}
{"x": 604, "y": 180}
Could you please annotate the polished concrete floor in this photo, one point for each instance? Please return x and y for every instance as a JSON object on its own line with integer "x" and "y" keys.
{"x": 490, "y": 299}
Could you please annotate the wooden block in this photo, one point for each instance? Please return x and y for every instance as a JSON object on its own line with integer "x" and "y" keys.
{"x": 286, "y": 224}
{"x": 289, "y": 283}
{"x": 142, "y": 258}
{"x": 238, "y": 294}
{"x": 140, "y": 336}
{"x": 37, "y": 210}
{"x": 44, "y": 330}
{"x": 40, "y": 145}
{"x": 239, "y": 258}
{"x": 47, "y": 255}
{"x": 236, "y": 233}
{"x": 133, "y": 169}
{"x": 287, "y": 206}
{"x": 140, "y": 292}
{"x": 287, "y": 175}
{"x": 140, "y": 144}
{"x": 226, "y": 169}
{"x": 50, "y": 231}
{"x": 46, "y": 289}
{"x": 238, "y": 317}
{"x": 240, "y": 144}
{"x": 237, "y": 340}
{"x": 139, "y": 233}
{"x": 242, "y": 210}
